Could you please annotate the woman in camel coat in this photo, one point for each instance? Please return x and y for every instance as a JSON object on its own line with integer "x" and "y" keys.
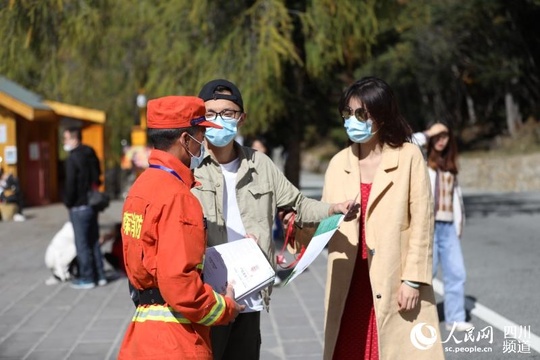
{"x": 380, "y": 289}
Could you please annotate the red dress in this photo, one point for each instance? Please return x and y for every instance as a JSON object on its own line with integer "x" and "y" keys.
{"x": 357, "y": 337}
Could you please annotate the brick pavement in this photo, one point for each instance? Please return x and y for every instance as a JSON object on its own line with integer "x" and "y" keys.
{"x": 56, "y": 322}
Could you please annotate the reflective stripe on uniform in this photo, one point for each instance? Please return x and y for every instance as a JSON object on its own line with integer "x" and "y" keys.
{"x": 158, "y": 313}
{"x": 215, "y": 313}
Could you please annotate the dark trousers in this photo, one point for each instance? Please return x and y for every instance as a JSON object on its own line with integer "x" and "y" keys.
{"x": 240, "y": 340}
{"x": 86, "y": 229}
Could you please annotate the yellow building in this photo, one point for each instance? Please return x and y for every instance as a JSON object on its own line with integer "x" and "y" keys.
{"x": 30, "y": 139}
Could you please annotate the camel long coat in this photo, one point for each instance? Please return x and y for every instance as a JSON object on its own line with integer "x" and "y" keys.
{"x": 399, "y": 236}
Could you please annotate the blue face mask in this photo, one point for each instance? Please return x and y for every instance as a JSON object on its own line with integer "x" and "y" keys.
{"x": 196, "y": 160}
{"x": 222, "y": 137}
{"x": 359, "y": 132}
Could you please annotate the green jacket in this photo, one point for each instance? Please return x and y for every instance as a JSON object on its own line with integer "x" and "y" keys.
{"x": 261, "y": 188}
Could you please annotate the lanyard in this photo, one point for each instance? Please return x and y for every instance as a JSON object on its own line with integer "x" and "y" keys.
{"x": 289, "y": 238}
{"x": 169, "y": 170}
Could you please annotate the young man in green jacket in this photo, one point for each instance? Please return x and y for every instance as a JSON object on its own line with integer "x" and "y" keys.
{"x": 240, "y": 190}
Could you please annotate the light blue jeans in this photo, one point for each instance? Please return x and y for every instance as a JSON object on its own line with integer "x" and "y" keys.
{"x": 447, "y": 252}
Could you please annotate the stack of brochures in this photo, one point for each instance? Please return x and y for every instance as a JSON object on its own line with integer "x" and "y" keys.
{"x": 240, "y": 263}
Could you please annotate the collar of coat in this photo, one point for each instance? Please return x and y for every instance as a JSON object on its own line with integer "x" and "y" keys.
{"x": 245, "y": 170}
{"x": 243, "y": 152}
{"x": 163, "y": 158}
{"x": 383, "y": 175}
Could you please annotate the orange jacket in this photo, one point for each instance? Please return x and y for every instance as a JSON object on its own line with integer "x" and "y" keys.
{"x": 164, "y": 239}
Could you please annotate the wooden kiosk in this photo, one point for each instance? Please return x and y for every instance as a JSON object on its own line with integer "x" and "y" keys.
{"x": 30, "y": 139}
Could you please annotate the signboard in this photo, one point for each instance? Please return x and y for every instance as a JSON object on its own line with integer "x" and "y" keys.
{"x": 10, "y": 155}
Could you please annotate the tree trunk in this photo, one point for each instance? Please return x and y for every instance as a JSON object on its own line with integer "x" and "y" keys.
{"x": 296, "y": 80}
{"x": 292, "y": 164}
{"x": 513, "y": 116}
{"x": 295, "y": 125}
{"x": 470, "y": 109}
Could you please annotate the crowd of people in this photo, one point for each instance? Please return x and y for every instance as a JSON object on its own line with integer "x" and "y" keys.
{"x": 398, "y": 190}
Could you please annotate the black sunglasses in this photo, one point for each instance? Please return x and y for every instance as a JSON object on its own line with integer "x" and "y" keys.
{"x": 360, "y": 114}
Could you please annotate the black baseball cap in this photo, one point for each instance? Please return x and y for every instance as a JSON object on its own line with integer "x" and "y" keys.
{"x": 208, "y": 92}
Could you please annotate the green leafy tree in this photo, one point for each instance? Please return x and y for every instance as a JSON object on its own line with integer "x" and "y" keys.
{"x": 38, "y": 37}
{"x": 278, "y": 52}
{"x": 282, "y": 54}
{"x": 470, "y": 62}
{"x": 291, "y": 58}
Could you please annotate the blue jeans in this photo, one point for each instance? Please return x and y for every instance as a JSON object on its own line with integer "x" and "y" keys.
{"x": 447, "y": 251}
{"x": 86, "y": 228}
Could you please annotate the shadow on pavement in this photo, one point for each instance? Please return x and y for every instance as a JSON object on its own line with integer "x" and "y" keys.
{"x": 470, "y": 303}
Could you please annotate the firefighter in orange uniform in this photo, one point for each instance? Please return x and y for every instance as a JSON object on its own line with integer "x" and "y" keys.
{"x": 164, "y": 237}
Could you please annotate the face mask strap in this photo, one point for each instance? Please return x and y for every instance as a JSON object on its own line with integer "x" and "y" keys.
{"x": 198, "y": 142}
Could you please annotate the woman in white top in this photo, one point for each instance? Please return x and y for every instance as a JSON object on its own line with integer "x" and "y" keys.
{"x": 449, "y": 218}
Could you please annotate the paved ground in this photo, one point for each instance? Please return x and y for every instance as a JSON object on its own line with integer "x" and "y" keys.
{"x": 56, "y": 322}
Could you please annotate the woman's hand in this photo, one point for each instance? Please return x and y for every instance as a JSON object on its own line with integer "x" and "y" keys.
{"x": 407, "y": 297}
{"x": 349, "y": 208}
{"x": 436, "y": 129}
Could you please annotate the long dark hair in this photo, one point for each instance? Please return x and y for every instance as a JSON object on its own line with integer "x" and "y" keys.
{"x": 380, "y": 102}
{"x": 445, "y": 160}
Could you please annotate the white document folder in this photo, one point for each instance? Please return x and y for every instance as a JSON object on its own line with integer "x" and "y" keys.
{"x": 240, "y": 263}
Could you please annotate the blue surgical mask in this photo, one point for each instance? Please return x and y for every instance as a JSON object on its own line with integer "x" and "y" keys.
{"x": 359, "y": 132}
{"x": 196, "y": 160}
{"x": 222, "y": 137}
